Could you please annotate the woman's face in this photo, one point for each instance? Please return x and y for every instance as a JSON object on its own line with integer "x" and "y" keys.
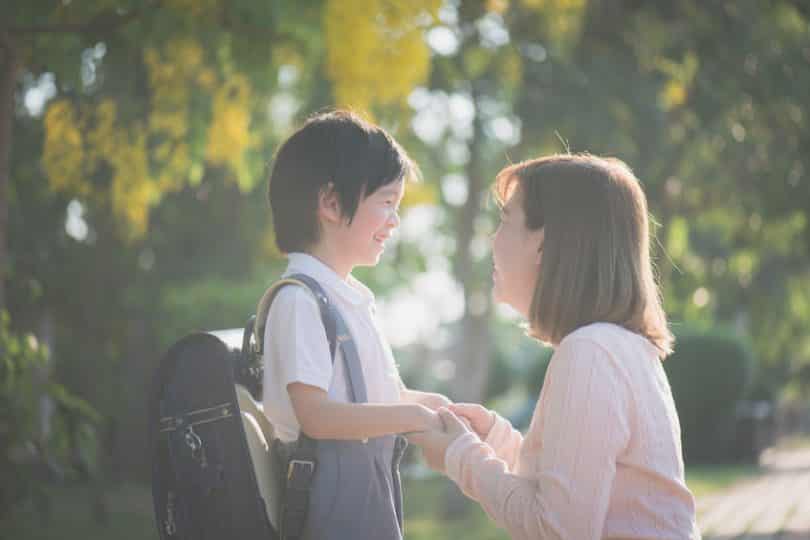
{"x": 516, "y": 253}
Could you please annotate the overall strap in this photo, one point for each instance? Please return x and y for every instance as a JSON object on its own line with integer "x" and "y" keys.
{"x": 335, "y": 324}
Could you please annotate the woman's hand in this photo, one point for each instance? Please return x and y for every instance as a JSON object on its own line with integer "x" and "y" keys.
{"x": 480, "y": 418}
{"x": 434, "y": 443}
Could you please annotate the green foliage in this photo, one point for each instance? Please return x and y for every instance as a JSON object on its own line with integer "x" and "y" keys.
{"x": 23, "y": 385}
{"x": 709, "y": 372}
{"x": 210, "y": 304}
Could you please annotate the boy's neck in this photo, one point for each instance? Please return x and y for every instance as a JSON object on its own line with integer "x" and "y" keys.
{"x": 332, "y": 259}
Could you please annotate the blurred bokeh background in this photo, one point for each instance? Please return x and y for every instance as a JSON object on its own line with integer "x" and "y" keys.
{"x": 135, "y": 138}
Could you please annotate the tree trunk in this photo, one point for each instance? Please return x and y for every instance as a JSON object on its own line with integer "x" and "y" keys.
{"x": 8, "y": 78}
{"x": 473, "y": 350}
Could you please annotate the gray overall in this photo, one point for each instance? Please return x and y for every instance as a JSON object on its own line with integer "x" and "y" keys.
{"x": 355, "y": 491}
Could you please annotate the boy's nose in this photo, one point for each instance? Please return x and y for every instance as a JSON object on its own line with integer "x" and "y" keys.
{"x": 393, "y": 221}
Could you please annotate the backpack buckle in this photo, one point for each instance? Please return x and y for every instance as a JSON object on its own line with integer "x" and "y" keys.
{"x": 299, "y": 471}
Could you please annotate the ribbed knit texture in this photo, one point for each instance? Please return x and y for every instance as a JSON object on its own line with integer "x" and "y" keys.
{"x": 602, "y": 456}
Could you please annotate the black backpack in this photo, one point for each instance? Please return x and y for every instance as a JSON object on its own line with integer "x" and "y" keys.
{"x": 216, "y": 472}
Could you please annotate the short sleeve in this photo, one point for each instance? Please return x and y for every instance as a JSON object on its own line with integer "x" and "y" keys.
{"x": 295, "y": 338}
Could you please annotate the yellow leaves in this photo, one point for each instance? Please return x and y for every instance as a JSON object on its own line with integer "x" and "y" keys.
{"x": 195, "y": 8}
{"x": 207, "y": 78}
{"x": 171, "y": 75}
{"x": 680, "y": 75}
{"x": 228, "y": 135}
{"x": 417, "y": 193}
{"x": 148, "y": 157}
{"x": 173, "y": 72}
{"x": 563, "y": 19}
{"x": 673, "y": 95}
{"x": 71, "y": 160}
{"x": 63, "y": 154}
{"x": 133, "y": 192}
{"x": 511, "y": 68}
{"x": 102, "y": 139}
{"x": 561, "y": 5}
{"x": 497, "y": 6}
{"x": 375, "y": 50}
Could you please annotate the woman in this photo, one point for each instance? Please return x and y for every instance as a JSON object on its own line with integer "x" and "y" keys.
{"x": 602, "y": 456}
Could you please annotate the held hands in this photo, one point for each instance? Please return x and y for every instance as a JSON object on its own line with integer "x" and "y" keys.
{"x": 434, "y": 442}
{"x": 480, "y": 419}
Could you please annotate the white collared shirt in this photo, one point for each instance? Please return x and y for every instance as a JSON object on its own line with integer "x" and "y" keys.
{"x": 296, "y": 349}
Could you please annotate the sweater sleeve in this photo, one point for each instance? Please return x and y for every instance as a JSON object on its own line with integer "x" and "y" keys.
{"x": 505, "y": 440}
{"x": 563, "y": 490}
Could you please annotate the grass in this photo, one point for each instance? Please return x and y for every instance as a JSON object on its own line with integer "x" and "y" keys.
{"x": 71, "y": 516}
{"x": 130, "y": 510}
{"x": 131, "y": 518}
{"x": 708, "y": 479}
{"x": 424, "y": 500}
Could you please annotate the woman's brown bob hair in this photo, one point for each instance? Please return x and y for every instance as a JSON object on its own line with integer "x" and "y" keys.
{"x": 596, "y": 263}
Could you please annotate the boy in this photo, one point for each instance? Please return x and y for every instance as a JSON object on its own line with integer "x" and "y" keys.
{"x": 334, "y": 191}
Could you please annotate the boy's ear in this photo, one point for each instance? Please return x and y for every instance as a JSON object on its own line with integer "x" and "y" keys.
{"x": 329, "y": 204}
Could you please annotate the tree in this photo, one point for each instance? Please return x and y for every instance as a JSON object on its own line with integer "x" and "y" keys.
{"x": 158, "y": 109}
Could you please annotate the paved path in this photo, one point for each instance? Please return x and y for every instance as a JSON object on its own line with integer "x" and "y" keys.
{"x": 774, "y": 506}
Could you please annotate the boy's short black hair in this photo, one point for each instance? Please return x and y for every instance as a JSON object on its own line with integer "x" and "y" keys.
{"x": 357, "y": 157}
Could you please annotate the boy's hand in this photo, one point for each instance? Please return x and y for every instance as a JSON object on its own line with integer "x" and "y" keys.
{"x": 480, "y": 418}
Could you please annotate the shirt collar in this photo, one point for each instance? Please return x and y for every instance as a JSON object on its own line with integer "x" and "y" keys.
{"x": 350, "y": 290}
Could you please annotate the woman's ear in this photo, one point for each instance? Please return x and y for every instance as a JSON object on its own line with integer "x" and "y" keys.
{"x": 539, "y": 239}
{"x": 329, "y": 204}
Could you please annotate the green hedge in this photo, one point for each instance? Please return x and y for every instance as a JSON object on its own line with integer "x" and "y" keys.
{"x": 709, "y": 372}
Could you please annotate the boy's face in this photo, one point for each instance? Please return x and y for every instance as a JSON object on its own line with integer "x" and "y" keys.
{"x": 363, "y": 242}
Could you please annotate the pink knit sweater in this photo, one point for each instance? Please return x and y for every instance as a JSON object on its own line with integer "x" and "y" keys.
{"x": 602, "y": 457}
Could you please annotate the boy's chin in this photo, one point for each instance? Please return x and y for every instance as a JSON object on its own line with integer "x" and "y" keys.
{"x": 372, "y": 259}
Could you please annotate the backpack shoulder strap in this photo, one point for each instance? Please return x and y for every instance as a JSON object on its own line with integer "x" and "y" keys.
{"x": 337, "y": 332}
{"x": 263, "y": 310}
